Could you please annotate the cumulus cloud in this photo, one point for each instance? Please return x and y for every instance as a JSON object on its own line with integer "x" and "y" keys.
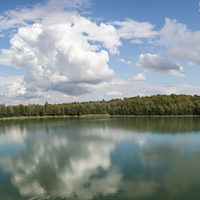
{"x": 130, "y": 28}
{"x": 181, "y": 43}
{"x": 13, "y": 91}
{"x": 138, "y": 77}
{"x": 64, "y": 53}
{"x": 60, "y": 57}
{"x": 13, "y": 86}
{"x": 61, "y": 51}
{"x": 157, "y": 64}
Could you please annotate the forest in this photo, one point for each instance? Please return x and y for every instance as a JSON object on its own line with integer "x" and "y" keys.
{"x": 148, "y": 105}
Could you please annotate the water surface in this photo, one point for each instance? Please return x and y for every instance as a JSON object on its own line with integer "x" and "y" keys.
{"x": 100, "y": 159}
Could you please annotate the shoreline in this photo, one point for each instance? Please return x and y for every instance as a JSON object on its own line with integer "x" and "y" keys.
{"x": 95, "y": 116}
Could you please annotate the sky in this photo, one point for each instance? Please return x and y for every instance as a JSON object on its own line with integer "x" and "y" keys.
{"x": 84, "y": 50}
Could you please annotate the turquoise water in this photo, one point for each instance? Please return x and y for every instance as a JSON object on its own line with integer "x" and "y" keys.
{"x": 100, "y": 159}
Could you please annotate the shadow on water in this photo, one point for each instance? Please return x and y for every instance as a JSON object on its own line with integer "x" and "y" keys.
{"x": 139, "y": 124}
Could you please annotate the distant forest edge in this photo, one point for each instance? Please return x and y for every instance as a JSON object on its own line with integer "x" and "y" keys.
{"x": 148, "y": 105}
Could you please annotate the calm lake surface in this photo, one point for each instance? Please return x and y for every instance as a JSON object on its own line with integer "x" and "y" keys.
{"x": 100, "y": 159}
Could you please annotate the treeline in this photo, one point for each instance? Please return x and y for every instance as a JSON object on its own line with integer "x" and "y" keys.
{"x": 149, "y": 105}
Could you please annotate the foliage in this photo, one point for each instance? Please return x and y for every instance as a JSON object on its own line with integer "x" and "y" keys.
{"x": 149, "y": 105}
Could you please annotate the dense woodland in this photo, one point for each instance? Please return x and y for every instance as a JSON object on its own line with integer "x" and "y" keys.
{"x": 149, "y": 105}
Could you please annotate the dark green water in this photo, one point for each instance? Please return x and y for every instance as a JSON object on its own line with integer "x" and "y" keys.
{"x": 100, "y": 159}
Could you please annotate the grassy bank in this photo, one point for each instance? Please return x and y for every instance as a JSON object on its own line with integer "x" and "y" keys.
{"x": 93, "y": 116}
{"x": 118, "y": 116}
{"x": 57, "y": 116}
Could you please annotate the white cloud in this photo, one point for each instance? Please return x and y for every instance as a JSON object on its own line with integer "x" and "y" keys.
{"x": 114, "y": 93}
{"x": 130, "y": 29}
{"x": 157, "y": 64}
{"x": 59, "y": 56}
{"x": 131, "y": 88}
{"x": 61, "y": 51}
{"x": 137, "y": 41}
{"x": 138, "y": 77}
{"x": 122, "y": 60}
{"x": 47, "y": 10}
{"x": 13, "y": 86}
{"x": 181, "y": 43}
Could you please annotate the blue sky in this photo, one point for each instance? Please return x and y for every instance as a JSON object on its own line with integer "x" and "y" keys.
{"x": 80, "y": 50}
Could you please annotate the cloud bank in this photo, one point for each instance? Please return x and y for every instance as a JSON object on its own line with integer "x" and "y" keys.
{"x": 65, "y": 53}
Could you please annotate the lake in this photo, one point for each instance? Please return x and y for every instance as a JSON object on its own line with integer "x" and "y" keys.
{"x": 100, "y": 159}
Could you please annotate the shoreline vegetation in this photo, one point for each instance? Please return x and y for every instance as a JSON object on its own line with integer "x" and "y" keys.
{"x": 96, "y": 116}
{"x": 148, "y": 106}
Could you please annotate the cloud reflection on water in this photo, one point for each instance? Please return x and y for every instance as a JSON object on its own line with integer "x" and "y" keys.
{"x": 81, "y": 159}
{"x": 65, "y": 165}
